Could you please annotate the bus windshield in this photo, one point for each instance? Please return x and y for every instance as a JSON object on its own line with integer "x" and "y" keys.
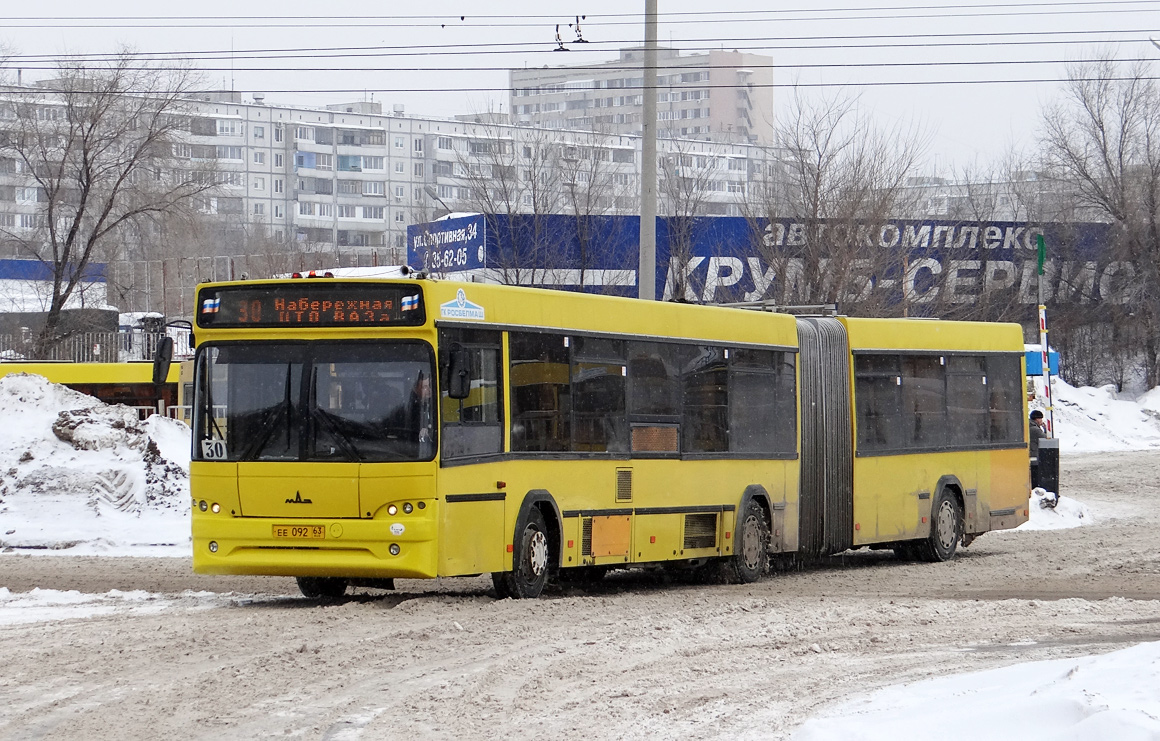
{"x": 315, "y": 401}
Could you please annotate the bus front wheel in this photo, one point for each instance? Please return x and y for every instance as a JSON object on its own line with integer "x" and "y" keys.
{"x": 321, "y": 587}
{"x": 531, "y": 558}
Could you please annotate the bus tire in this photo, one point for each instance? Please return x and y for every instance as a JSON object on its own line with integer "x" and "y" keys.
{"x": 321, "y": 587}
{"x": 531, "y": 560}
{"x": 905, "y": 552}
{"x": 946, "y": 529}
{"x": 580, "y": 575}
{"x": 750, "y": 559}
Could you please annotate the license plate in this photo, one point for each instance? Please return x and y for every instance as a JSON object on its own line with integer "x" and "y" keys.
{"x": 300, "y": 532}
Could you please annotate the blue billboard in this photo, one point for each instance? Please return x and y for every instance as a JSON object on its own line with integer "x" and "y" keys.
{"x": 922, "y": 263}
{"x": 449, "y": 245}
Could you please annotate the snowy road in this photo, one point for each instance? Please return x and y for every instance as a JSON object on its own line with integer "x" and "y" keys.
{"x": 631, "y": 658}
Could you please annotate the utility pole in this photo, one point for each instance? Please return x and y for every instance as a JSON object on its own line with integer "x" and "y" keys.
{"x": 1043, "y": 341}
{"x": 646, "y": 276}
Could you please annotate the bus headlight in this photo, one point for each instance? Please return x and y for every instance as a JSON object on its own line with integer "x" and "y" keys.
{"x": 392, "y": 510}
{"x": 213, "y": 546}
{"x": 394, "y": 549}
{"x": 215, "y": 508}
{"x": 407, "y": 508}
{"x": 203, "y": 505}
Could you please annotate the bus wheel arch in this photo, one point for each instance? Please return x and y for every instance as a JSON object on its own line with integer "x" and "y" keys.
{"x": 535, "y": 548}
{"x": 947, "y": 517}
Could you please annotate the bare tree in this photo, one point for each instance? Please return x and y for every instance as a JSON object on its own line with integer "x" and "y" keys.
{"x": 1101, "y": 144}
{"x": 507, "y": 172}
{"x": 97, "y": 145}
{"x": 686, "y": 169}
{"x": 592, "y": 184}
{"x": 839, "y": 178}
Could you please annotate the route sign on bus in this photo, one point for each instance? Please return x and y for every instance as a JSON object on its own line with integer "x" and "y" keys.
{"x": 327, "y": 304}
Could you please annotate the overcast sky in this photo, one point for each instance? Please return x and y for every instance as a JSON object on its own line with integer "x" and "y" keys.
{"x": 437, "y": 64}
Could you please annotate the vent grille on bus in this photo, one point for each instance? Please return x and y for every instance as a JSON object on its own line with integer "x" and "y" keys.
{"x": 586, "y": 537}
{"x": 701, "y": 530}
{"x": 624, "y": 484}
{"x": 655, "y": 439}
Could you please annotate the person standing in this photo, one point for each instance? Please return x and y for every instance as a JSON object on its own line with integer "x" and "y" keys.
{"x": 1037, "y": 430}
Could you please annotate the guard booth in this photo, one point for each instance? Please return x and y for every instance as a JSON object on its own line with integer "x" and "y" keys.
{"x": 1049, "y": 464}
{"x": 1048, "y": 446}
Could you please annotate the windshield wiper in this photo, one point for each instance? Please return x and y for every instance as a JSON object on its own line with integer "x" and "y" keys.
{"x": 269, "y": 424}
{"x": 319, "y": 414}
{"x": 344, "y": 442}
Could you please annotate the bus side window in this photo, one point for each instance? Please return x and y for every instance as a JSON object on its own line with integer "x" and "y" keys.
{"x": 541, "y": 392}
{"x": 877, "y": 402}
{"x": 1005, "y": 398}
{"x": 472, "y": 425}
{"x": 706, "y": 400}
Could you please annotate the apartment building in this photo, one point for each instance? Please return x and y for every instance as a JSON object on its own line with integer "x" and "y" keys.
{"x": 351, "y": 177}
{"x": 719, "y": 95}
{"x": 345, "y": 181}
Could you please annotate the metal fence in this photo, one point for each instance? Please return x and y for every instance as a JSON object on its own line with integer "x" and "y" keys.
{"x": 94, "y": 347}
{"x": 167, "y": 286}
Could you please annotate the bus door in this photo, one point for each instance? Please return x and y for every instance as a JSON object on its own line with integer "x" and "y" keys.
{"x": 473, "y": 483}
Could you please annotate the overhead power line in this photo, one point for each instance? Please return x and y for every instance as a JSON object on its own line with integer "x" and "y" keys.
{"x": 613, "y": 19}
{"x": 783, "y": 85}
{"x": 771, "y": 43}
{"x": 370, "y": 22}
{"x": 636, "y": 68}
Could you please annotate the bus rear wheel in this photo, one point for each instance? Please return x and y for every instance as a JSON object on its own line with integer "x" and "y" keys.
{"x": 946, "y": 529}
{"x": 750, "y": 559}
{"x": 531, "y": 559}
{"x": 321, "y": 587}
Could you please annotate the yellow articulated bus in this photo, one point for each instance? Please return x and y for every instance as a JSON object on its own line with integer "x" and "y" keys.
{"x": 350, "y": 432}
{"x": 128, "y": 383}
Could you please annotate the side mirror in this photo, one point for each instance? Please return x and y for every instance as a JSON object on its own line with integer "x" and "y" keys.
{"x": 162, "y": 358}
{"x": 458, "y": 373}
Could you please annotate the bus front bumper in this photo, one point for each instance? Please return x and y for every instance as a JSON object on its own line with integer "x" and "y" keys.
{"x": 314, "y": 547}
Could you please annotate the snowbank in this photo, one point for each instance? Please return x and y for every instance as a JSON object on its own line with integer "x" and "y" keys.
{"x": 1113, "y": 696}
{"x": 89, "y": 477}
{"x": 1096, "y": 420}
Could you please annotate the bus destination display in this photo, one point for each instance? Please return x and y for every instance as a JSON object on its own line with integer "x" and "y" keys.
{"x": 312, "y": 305}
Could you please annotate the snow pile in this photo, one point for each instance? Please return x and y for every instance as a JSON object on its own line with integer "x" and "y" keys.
{"x": 45, "y": 605}
{"x": 1067, "y": 513}
{"x": 1112, "y": 696}
{"x": 1096, "y": 420}
{"x": 86, "y": 476}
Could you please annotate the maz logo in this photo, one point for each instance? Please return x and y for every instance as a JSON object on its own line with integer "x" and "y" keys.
{"x": 298, "y": 499}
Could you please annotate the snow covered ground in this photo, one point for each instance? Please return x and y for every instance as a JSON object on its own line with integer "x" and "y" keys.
{"x": 78, "y": 477}
{"x": 1111, "y": 696}
{"x": 48, "y": 605}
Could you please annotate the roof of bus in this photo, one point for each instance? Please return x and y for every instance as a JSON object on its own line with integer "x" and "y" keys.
{"x": 932, "y": 334}
{"x": 74, "y": 373}
{"x": 540, "y": 308}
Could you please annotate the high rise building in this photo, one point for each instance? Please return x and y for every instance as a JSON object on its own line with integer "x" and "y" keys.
{"x": 719, "y": 95}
